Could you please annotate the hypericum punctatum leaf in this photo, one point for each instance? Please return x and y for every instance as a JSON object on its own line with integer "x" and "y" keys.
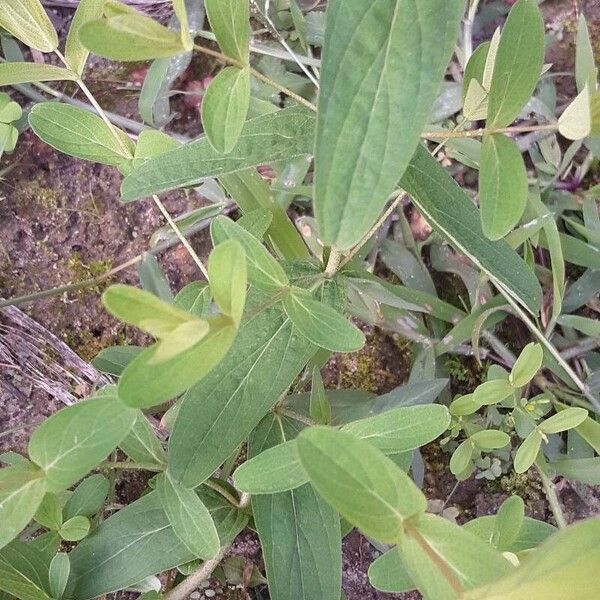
{"x": 490, "y": 439}
{"x": 88, "y": 497}
{"x": 229, "y": 20}
{"x": 585, "y": 64}
{"x": 76, "y": 54}
{"x": 58, "y": 574}
{"x": 319, "y": 408}
{"x": 388, "y": 574}
{"x": 461, "y": 458}
{"x": 75, "y": 529}
{"x": 508, "y": 522}
{"x": 575, "y": 123}
{"x": 24, "y": 572}
{"x": 528, "y": 451}
{"x": 527, "y": 365}
{"x": 49, "y": 513}
{"x": 27, "y": 21}
{"x": 492, "y": 392}
{"x": 502, "y": 185}
{"x": 518, "y": 63}
{"x": 13, "y": 73}
{"x": 568, "y": 418}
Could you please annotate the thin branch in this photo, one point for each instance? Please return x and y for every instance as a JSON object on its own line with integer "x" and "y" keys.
{"x": 553, "y": 500}
{"x": 480, "y": 132}
{"x": 131, "y": 466}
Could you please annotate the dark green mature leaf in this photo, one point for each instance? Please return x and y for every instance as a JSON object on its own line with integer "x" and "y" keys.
{"x": 382, "y": 67}
{"x": 23, "y": 572}
{"x": 189, "y": 518}
{"x": 114, "y": 359}
{"x": 218, "y": 414}
{"x": 58, "y": 575}
{"x": 79, "y": 133}
{"x": 76, "y": 54}
{"x": 75, "y": 439}
{"x": 518, "y": 65}
{"x": 12, "y": 73}
{"x": 502, "y": 186}
{"x": 299, "y": 532}
{"x": 141, "y": 443}
{"x": 27, "y": 21}
{"x": 153, "y": 278}
{"x": 451, "y": 212}
{"x": 134, "y": 543}
{"x": 281, "y": 135}
{"x": 130, "y": 37}
{"x": 225, "y": 108}
{"x": 321, "y": 324}
{"x": 88, "y": 497}
{"x": 49, "y": 512}
{"x": 360, "y": 482}
{"x": 387, "y": 573}
{"x": 228, "y": 520}
{"x": 229, "y": 20}
{"x": 22, "y": 488}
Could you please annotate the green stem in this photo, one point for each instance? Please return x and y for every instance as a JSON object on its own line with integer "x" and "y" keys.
{"x": 553, "y": 500}
{"x": 132, "y": 466}
{"x": 214, "y": 484}
{"x": 333, "y": 263}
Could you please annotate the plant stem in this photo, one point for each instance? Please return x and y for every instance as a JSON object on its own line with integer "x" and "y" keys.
{"x": 190, "y": 583}
{"x": 217, "y": 487}
{"x": 333, "y": 263}
{"x": 257, "y": 74}
{"x": 471, "y": 133}
{"x": 132, "y": 466}
{"x": 280, "y": 410}
{"x": 553, "y": 500}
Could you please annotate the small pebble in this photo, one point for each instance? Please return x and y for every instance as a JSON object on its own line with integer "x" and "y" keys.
{"x": 209, "y": 593}
{"x": 195, "y": 595}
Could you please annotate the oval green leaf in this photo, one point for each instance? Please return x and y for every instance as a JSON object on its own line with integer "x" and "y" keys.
{"x": 230, "y": 22}
{"x": 527, "y": 452}
{"x": 27, "y": 21}
{"x": 527, "y": 365}
{"x": 565, "y": 419}
{"x": 228, "y": 278}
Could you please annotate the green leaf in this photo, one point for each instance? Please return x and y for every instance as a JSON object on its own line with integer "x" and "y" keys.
{"x": 464, "y": 405}
{"x": 76, "y": 54}
{"x": 23, "y": 572}
{"x": 464, "y": 558}
{"x": 220, "y": 412}
{"x": 383, "y": 61}
{"x": 585, "y": 64}
{"x": 575, "y": 123}
{"x": 79, "y": 133}
{"x": 387, "y": 573}
{"x": 264, "y": 272}
{"x": 319, "y": 407}
{"x": 451, "y": 211}
{"x": 508, "y": 523}
{"x": 75, "y": 529}
{"x": 321, "y": 324}
{"x": 290, "y": 134}
{"x": 402, "y": 429}
{"x": 229, "y": 520}
{"x": 518, "y": 63}
{"x": 88, "y": 497}
{"x": 13, "y": 73}
{"x": 361, "y": 483}
{"x": 189, "y": 518}
{"x": 27, "y": 21}
{"x": 527, "y": 365}
{"x": 113, "y": 360}
{"x": 22, "y": 488}
{"x": 147, "y": 382}
{"x": 141, "y": 443}
{"x": 561, "y": 567}
{"x": 130, "y": 37}
{"x": 528, "y": 451}
{"x": 565, "y": 419}
{"x": 184, "y": 25}
{"x": 229, "y": 20}
{"x": 225, "y": 107}
{"x": 136, "y": 532}
{"x": 461, "y": 458}
{"x": 228, "y": 278}
{"x": 475, "y": 67}
{"x": 490, "y": 439}
{"x": 58, "y": 575}
{"x": 77, "y": 438}
{"x": 276, "y": 469}
{"x": 299, "y": 532}
{"x": 49, "y": 513}
{"x": 195, "y": 298}
{"x": 492, "y": 392}
{"x": 585, "y": 470}
{"x": 153, "y": 278}
{"x": 151, "y": 143}
{"x": 502, "y": 186}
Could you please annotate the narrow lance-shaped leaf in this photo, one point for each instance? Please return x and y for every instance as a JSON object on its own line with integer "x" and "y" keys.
{"x": 184, "y": 25}
{"x": 76, "y": 54}
{"x": 518, "y": 63}
{"x": 13, "y": 73}
{"x": 575, "y": 123}
{"x": 382, "y": 68}
{"x": 502, "y": 186}
{"x": 58, "y": 575}
{"x": 365, "y": 486}
{"x": 27, "y": 21}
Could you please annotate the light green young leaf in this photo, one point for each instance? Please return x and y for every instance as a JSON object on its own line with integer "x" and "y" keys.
{"x": 464, "y": 405}
{"x": 23, "y": 572}
{"x": 321, "y": 324}
{"x": 402, "y": 429}
{"x": 79, "y": 133}
{"x": 264, "y": 272}
{"x": 360, "y": 482}
{"x": 319, "y": 407}
{"x": 225, "y": 108}
{"x": 22, "y": 488}
{"x": 508, "y": 523}
{"x": 475, "y": 67}
{"x": 184, "y": 25}
{"x": 189, "y": 518}
{"x": 490, "y": 439}
{"x": 388, "y": 574}
{"x": 527, "y": 365}
{"x": 559, "y": 568}
{"x": 518, "y": 63}
{"x": 58, "y": 575}
{"x": 576, "y": 121}
{"x": 151, "y": 143}
{"x": 461, "y": 458}
{"x": 130, "y": 37}
{"x": 464, "y": 558}
{"x": 76, "y": 54}
{"x": 13, "y": 73}
{"x": 74, "y": 440}
{"x": 27, "y": 21}
{"x": 492, "y": 392}
{"x": 283, "y": 135}
{"x": 502, "y": 186}
{"x": 387, "y": 58}
{"x": 229, "y": 20}
{"x": 451, "y": 212}
{"x": 228, "y": 278}
{"x": 75, "y": 529}
{"x": 49, "y": 513}
{"x": 88, "y": 497}
{"x": 141, "y": 443}
{"x": 528, "y": 451}
{"x": 490, "y": 61}
{"x": 565, "y": 419}
{"x": 585, "y": 64}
